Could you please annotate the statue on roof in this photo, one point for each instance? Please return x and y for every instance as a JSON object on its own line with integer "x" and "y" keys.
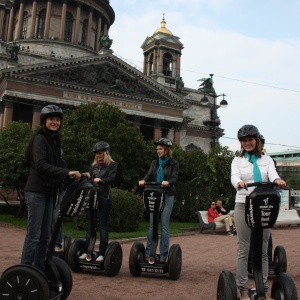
{"x": 179, "y": 84}
{"x": 207, "y": 85}
{"x": 105, "y": 41}
{"x": 13, "y": 49}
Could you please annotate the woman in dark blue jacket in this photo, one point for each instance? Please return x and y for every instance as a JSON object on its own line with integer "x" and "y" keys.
{"x": 165, "y": 171}
{"x": 46, "y": 173}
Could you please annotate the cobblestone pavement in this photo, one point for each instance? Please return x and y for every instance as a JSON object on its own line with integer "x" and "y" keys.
{"x": 204, "y": 258}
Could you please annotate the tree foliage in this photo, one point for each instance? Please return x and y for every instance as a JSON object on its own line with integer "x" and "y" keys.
{"x": 90, "y": 123}
{"x": 14, "y": 140}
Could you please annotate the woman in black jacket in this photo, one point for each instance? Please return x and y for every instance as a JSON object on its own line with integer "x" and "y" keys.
{"x": 46, "y": 173}
{"x": 165, "y": 171}
{"x": 103, "y": 172}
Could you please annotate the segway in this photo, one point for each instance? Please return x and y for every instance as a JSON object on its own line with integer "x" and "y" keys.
{"x": 261, "y": 211}
{"x": 153, "y": 198}
{"x": 277, "y": 261}
{"x": 66, "y": 247}
{"x": 113, "y": 255}
{"x": 27, "y": 282}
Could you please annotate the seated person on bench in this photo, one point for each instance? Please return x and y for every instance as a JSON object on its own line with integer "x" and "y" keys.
{"x": 214, "y": 216}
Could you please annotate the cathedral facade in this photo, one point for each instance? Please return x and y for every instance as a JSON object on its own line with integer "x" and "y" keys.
{"x": 60, "y": 52}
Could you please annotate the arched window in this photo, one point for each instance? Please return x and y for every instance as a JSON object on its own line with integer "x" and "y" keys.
{"x": 25, "y": 25}
{"x": 41, "y": 24}
{"x": 167, "y": 64}
{"x": 68, "y": 27}
{"x": 84, "y": 32}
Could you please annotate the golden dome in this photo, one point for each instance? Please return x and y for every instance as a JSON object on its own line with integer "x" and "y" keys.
{"x": 163, "y": 28}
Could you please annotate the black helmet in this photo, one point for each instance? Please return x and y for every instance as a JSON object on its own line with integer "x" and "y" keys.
{"x": 247, "y": 130}
{"x": 101, "y": 146}
{"x": 262, "y": 139}
{"x": 51, "y": 110}
{"x": 164, "y": 142}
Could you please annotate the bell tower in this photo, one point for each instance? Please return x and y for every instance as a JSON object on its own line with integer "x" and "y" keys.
{"x": 162, "y": 54}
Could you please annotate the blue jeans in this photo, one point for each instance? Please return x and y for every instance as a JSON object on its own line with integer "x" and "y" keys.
{"x": 165, "y": 224}
{"x": 58, "y": 242}
{"x": 40, "y": 208}
{"x": 103, "y": 215}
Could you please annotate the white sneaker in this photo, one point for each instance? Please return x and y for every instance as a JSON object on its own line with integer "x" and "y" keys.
{"x": 58, "y": 249}
{"x": 100, "y": 258}
{"x": 83, "y": 256}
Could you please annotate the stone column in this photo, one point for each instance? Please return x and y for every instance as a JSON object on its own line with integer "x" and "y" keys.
{"x": 105, "y": 29}
{"x": 8, "y": 113}
{"x": 11, "y": 24}
{"x": 89, "y": 29}
{"x": 20, "y": 20}
{"x": 63, "y": 20}
{"x": 177, "y": 129}
{"x": 160, "y": 67}
{"x": 178, "y": 65}
{"x": 157, "y": 130}
{"x": 145, "y": 71}
{"x": 97, "y": 47}
{"x": 77, "y": 23}
{"x": 2, "y": 13}
{"x": 48, "y": 18}
{"x": 154, "y": 61}
{"x": 33, "y": 19}
{"x": 6, "y": 25}
{"x": 36, "y": 116}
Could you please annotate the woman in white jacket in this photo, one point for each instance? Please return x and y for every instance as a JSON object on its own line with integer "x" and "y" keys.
{"x": 250, "y": 166}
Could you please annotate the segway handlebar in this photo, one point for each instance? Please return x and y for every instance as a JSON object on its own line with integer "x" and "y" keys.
{"x": 262, "y": 184}
{"x": 152, "y": 183}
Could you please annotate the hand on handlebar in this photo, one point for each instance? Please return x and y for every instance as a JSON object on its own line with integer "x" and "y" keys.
{"x": 75, "y": 174}
{"x": 242, "y": 185}
{"x": 142, "y": 183}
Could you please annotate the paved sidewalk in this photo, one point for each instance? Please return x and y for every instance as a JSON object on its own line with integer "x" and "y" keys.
{"x": 204, "y": 258}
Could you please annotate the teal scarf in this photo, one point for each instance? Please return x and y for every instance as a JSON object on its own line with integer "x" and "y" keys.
{"x": 253, "y": 159}
{"x": 162, "y": 162}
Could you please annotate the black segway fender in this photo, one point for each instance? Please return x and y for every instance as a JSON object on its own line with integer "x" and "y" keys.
{"x": 284, "y": 288}
{"x": 175, "y": 262}
{"x": 280, "y": 260}
{"x": 65, "y": 275}
{"x": 136, "y": 257}
{"x": 113, "y": 259}
{"x": 76, "y": 249}
{"x": 227, "y": 289}
{"x": 22, "y": 282}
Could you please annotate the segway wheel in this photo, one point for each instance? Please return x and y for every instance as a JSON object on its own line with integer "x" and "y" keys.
{"x": 280, "y": 260}
{"x": 113, "y": 259}
{"x": 76, "y": 249}
{"x": 136, "y": 256}
{"x": 65, "y": 277}
{"x": 227, "y": 289}
{"x": 24, "y": 282}
{"x": 67, "y": 245}
{"x": 283, "y": 288}
{"x": 175, "y": 262}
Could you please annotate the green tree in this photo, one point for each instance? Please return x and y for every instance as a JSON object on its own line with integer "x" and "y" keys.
{"x": 89, "y": 123}
{"x": 202, "y": 177}
{"x": 14, "y": 140}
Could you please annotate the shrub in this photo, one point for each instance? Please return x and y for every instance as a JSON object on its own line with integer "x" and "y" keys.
{"x": 126, "y": 213}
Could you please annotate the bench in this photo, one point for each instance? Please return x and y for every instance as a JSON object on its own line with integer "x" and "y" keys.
{"x": 288, "y": 217}
{"x": 205, "y": 225}
{"x": 285, "y": 218}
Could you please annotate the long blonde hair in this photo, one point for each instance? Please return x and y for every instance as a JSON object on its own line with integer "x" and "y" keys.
{"x": 107, "y": 159}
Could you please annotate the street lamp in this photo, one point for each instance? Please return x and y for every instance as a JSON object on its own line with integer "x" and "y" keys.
{"x": 214, "y": 121}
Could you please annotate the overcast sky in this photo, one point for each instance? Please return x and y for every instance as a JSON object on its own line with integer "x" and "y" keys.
{"x": 251, "y": 46}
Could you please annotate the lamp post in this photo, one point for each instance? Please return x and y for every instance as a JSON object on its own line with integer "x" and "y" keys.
{"x": 214, "y": 121}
